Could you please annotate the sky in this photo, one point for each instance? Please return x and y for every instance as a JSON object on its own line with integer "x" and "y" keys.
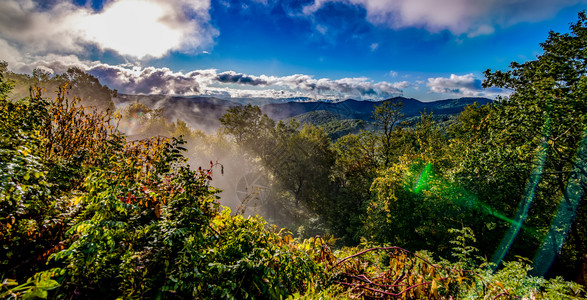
{"x": 300, "y": 49}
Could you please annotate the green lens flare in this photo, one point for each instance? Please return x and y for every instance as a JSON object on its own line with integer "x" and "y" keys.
{"x": 424, "y": 178}
{"x": 463, "y": 198}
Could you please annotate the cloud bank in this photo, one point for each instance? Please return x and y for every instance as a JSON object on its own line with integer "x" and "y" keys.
{"x": 133, "y": 79}
{"x": 133, "y": 28}
{"x": 150, "y": 80}
{"x": 462, "y": 86}
{"x": 471, "y": 17}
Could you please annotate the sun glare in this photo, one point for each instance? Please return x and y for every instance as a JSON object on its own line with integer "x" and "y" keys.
{"x": 133, "y": 27}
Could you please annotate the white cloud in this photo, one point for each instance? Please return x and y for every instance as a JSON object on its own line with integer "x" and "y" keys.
{"x": 358, "y": 88}
{"x": 27, "y": 27}
{"x": 151, "y": 80}
{"x": 25, "y": 63}
{"x": 8, "y": 53}
{"x": 481, "y": 30}
{"x": 134, "y": 79}
{"x": 474, "y": 17}
{"x": 321, "y": 29}
{"x": 461, "y": 85}
{"x": 465, "y": 85}
{"x": 136, "y": 28}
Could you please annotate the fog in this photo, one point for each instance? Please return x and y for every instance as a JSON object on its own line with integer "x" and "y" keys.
{"x": 246, "y": 187}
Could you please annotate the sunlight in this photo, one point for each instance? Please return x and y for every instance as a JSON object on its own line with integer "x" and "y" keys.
{"x": 134, "y": 27}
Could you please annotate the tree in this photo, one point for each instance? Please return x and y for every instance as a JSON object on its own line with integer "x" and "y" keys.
{"x": 355, "y": 168}
{"x": 249, "y": 126}
{"x": 89, "y": 88}
{"x": 303, "y": 164}
{"x": 80, "y": 84}
{"x": 532, "y": 157}
{"x": 6, "y": 85}
{"x": 387, "y": 116}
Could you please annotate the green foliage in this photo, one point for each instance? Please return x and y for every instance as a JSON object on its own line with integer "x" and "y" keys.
{"x": 514, "y": 282}
{"x": 462, "y": 250}
{"x": 28, "y": 207}
{"x": 524, "y": 150}
{"x": 163, "y": 236}
{"x": 256, "y": 262}
{"x": 335, "y": 125}
{"x": 34, "y": 288}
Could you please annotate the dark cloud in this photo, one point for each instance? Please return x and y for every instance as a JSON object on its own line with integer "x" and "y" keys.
{"x": 233, "y": 77}
{"x": 148, "y": 80}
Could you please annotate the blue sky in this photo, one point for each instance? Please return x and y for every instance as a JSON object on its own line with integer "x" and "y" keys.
{"x": 315, "y": 49}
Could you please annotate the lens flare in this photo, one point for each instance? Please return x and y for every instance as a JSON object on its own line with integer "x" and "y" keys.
{"x": 529, "y": 194}
{"x": 566, "y": 213}
{"x": 464, "y": 198}
{"x": 424, "y": 178}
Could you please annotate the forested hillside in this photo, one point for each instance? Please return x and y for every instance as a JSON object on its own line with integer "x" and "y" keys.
{"x": 490, "y": 206}
{"x": 363, "y": 110}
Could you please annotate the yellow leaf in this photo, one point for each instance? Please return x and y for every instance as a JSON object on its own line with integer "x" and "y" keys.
{"x": 157, "y": 210}
{"x": 434, "y": 286}
{"x": 287, "y": 239}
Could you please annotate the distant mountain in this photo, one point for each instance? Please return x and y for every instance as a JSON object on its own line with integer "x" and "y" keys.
{"x": 363, "y": 110}
{"x": 260, "y": 101}
{"x": 340, "y": 117}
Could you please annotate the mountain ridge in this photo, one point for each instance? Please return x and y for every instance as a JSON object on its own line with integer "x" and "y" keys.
{"x": 203, "y": 112}
{"x": 356, "y": 109}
